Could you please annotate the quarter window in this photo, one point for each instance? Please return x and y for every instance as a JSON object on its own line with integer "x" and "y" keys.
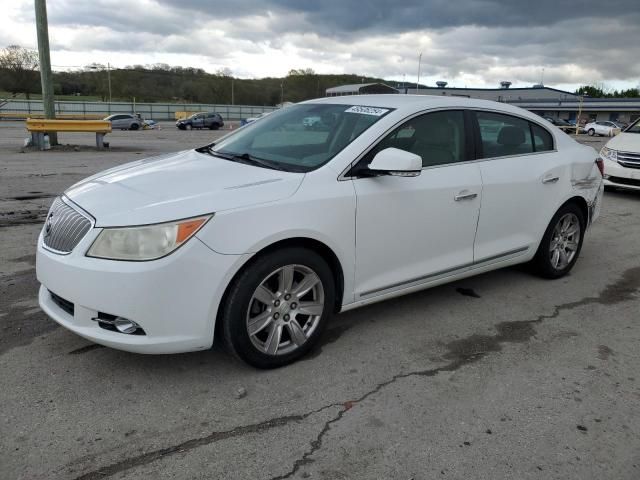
{"x": 438, "y": 138}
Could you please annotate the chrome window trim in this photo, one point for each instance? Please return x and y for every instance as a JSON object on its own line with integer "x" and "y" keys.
{"x": 343, "y": 175}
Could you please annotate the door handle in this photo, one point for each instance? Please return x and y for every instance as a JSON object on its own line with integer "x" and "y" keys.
{"x": 465, "y": 195}
{"x": 550, "y": 179}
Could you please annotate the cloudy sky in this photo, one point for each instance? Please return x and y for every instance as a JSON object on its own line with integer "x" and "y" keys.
{"x": 466, "y": 42}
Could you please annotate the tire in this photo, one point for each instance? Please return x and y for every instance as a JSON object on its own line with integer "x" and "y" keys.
{"x": 555, "y": 256}
{"x": 591, "y": 132}
{"x": 134, "y": 126}
{"x": 188, "y": 126}
{"x": 257, "y": 298}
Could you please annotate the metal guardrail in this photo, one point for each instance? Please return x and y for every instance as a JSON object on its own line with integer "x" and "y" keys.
{"x": 38, "y": 128}
{"x": 95, "y": 126}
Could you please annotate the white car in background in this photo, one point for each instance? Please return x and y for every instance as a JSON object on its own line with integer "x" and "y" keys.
{"x": 607, "y": 129}
{"x": 621, "y": 157}
{"x": 260, "y": 237}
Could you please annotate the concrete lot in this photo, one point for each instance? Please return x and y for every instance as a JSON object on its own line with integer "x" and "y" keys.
{"x": 502, "y": 376}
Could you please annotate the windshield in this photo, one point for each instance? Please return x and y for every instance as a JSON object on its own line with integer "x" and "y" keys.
{"x": 300, "y": 138}
{"x": 634, "y": 127}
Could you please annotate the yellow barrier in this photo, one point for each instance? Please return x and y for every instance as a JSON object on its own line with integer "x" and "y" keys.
{"x": 39, "y": 127}
{"x": 183, "y": 115}
{"x": 97, "y": 126}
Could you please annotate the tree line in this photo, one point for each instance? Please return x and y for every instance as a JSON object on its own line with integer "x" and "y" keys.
{"x": 163, "y": 83}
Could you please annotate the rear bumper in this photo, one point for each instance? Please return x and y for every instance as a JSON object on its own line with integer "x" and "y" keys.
{"x": 174, "y": 299}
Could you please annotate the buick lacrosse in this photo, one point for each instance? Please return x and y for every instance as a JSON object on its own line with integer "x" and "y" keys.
{"x": 258, "y": 238}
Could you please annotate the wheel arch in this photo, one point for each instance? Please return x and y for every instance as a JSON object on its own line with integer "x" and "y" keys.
{"x": 313, "y": 244}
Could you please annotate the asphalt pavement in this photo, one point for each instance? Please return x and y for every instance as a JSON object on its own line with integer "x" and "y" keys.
{"x": 500, "y": 376}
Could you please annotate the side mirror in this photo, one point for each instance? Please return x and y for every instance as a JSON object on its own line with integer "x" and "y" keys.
{"x": 396, "y": 162}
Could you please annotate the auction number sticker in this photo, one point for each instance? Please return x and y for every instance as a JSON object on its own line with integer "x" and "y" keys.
{"x": 375, "y": 111}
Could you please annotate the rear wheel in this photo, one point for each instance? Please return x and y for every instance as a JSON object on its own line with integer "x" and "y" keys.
{"x": 561, "y": 244}
{"x": 278, "y": 307}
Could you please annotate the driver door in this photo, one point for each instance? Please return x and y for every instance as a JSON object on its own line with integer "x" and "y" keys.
{"x": 412, "y": 231}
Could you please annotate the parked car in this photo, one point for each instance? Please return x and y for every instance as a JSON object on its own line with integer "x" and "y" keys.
{"x": 607, "y": 129}
{"x": 247, "y": 121}
{"x": 263, "y": 235}
{"x": 562, "y": 124}
{"x": 311, "y": 122}
{"x": 621, "y": 157}
{"x": 212, "y": 121}
{"x": 124, "y": 121}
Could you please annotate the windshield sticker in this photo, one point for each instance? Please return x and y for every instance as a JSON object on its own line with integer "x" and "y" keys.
{"x": 376, "y": 112}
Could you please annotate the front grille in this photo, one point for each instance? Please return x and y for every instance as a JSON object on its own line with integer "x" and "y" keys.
{"x": 625, "y": 181}
{"x": 64, "y": 227}
{"x": 629, "y": 159}
{"x": 65, "y": 305}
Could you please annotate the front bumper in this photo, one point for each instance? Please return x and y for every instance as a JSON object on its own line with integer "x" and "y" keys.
{"x": 174, "y": 299}
{"x": 621, "y": 177}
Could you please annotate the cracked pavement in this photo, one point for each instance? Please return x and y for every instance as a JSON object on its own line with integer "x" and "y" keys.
{"x": 503, "y": 375}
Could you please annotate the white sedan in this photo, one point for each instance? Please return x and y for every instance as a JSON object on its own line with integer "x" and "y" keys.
{"x": 260, "y": 237}
{"x": 607, "y": 129}
{"x": 621, "y": 157}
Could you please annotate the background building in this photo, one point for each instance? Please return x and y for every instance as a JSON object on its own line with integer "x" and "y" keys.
{"x": 545, "y": 101}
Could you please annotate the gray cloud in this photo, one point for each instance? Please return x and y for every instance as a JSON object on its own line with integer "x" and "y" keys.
{"x": 490, "y": 40}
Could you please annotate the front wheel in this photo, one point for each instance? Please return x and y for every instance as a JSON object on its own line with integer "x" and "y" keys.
{"x": 591, "y": 132}
{"x": 188, "y": 126}
{"x": 561, "y": 244}
{"x": 278, "y": 307}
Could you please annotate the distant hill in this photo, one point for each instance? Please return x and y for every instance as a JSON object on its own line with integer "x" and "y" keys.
{"x": 192, "y": 85}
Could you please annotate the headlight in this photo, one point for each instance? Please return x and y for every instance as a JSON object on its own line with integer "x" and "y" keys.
{"x": 609, "y": 154}
{"x": 147, "y": 242}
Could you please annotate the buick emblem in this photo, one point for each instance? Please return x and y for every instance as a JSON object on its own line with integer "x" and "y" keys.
{"x": 48, "y": 225}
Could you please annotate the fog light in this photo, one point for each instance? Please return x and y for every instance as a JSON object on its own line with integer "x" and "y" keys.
{"x": 124, "y": 325}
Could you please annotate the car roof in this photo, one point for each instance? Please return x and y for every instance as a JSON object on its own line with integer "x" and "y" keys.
{"x": 409, "y": 103}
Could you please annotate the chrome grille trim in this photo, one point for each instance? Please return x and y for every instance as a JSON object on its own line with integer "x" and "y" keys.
{"x": 629, "y": 159}
{"x": 64, "y": 227}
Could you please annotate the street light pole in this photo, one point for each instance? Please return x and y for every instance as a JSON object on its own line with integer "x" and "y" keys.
{"x": 419, "y": 62}
{"x": 46, "y": 77}
{"x": 282, "y": 94}
{"x": 109, "y": 79}
{"x": 232, "y": 99}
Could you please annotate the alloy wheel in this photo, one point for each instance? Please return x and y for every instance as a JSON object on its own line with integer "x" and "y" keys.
{"x": 285, "y": 309}
{"x": 565, "y": 241}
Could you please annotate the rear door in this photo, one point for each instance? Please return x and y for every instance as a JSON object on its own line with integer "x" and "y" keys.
{"x": 413, "y": 230}
{"x": 522, "y": 178}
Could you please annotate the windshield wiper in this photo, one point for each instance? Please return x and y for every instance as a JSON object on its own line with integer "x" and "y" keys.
{"x": 246, "y": 158}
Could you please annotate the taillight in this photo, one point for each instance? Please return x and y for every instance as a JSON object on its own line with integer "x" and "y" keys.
{"x": 600, "y": 164}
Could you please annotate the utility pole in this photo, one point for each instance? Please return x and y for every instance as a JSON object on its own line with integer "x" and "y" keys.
{"x": 419, "y": 62}
{"x": 46, "y": 77}
{"x": 282, "y": 94}
{"x": 232, "y": 99}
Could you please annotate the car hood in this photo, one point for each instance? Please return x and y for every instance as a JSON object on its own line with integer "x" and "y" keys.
{"x": 178, "y": 185}
{"x": 625, "y": 142}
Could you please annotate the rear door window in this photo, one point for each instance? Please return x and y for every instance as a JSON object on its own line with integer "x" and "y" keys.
{"x": 503, "y": 135}
{"x": 542, "y": 139}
